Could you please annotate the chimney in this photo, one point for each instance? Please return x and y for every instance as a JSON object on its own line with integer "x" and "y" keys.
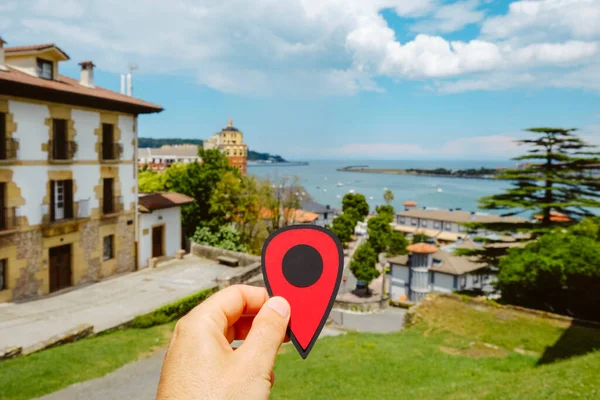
{"x": 2, "y": 62}
{"x": 122, "y": 83}
{"x": 87, "y": 74}
{"x": 129, "y": 86}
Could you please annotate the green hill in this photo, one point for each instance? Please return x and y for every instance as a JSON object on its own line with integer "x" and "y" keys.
{"x": 453, "y": 350}
{"x": 156, "y": 143}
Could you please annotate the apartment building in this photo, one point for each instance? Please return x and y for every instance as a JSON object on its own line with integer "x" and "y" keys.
{"x": 230, "y": 141}
{"x": 161, "y": 158}
{"x": 68, "y": 174}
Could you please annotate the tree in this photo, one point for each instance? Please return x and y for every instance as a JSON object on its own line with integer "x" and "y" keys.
{"x": 363, "y": 264}
{"x": 150, "y": 181}
{"x": 227, "y": 237}
{"x": 420, "y": 238}
{"x": 557, "y": 178}
{"x": 380, "y": 233}
{"x": 386, "y": 211}
{"x": 343, "y": 227}
{"x": 397, "y": 245}
{"x": 560, "y": 272}
{"x": 357, "y": 202}
{"x": 388, "y": 196}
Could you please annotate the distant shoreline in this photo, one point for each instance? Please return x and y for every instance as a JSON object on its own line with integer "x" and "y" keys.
{"x": 277, "y": 164}
{"x": 428, "y": 173}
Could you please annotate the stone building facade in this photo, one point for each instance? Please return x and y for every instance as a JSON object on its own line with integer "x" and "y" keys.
{"x": 68, "y": 175}
{"x": 231, "y": 141}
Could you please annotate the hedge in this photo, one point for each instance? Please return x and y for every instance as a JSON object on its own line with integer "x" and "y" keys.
{"x": 172, "y": 311}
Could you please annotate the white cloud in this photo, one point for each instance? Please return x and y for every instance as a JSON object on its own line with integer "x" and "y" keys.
{"x": 322, "y": 47}
{"x": 450, "y": 18}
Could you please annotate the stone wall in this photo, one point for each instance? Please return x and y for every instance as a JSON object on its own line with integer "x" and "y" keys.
{"x": 126, "y": 254}
{"x": 239, "y": 275}
{"x": 29, "y": 249}
{"x": 88, "y": 240}
{"x": 213, "y": 253}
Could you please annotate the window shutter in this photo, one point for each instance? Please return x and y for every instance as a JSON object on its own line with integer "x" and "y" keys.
{"x": 52, "y": 188}
{"x": 68, "y": 199}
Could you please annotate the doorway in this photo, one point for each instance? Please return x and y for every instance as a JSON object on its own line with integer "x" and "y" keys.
{"x": 158, "y": 235}
{"x": 60, "y": 267}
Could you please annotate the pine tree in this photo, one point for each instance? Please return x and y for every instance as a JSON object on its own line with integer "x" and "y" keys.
{"x": 556, "y": 178}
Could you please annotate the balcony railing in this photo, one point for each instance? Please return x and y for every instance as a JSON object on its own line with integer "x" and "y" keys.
{"x": 111, "y": 152}
{"x": 81, "y": 209}
{"x": 61, "y": 151}
{"x": 8, "y": 218}
{"x": 112, "y": 205}
{"x": 8, "y": 149}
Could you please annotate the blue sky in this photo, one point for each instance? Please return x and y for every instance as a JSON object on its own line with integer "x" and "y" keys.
{"x": 314, "y": 79}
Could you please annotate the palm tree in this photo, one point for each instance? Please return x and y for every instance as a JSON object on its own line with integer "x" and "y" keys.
{"x": 388, "y": 196}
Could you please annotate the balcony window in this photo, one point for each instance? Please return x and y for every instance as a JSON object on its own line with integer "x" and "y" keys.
{"x": 45, "y": 69}
{"x": 108, "y": 198}
{"x": 436, "y": 224}
{"x": 61, "y": 200}
{"x": 448, "y": 226}
{"x": 110, "y": 149}
{"x": 60, "y": 148}
{"x": 424, "y": 224}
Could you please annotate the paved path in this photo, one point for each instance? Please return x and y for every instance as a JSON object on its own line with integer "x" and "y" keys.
{"x": 387, "y": 321}
{"x": 105, "y": 304}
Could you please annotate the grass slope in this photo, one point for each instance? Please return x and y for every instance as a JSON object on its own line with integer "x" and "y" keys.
{"x": 453, "y": 351}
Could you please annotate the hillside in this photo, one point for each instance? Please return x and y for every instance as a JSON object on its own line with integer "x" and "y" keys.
{"x": 454, "y": 350}
{"x": 156, "y": 143}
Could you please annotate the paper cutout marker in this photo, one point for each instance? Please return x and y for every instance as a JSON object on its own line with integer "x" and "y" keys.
{"x": 304, "y": 264}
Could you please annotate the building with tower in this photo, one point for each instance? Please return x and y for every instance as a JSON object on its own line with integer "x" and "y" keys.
{"x": 231, "y": 142}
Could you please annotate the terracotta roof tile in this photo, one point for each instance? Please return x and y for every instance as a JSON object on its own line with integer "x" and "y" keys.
{"x": 423, "y": 248}
{"x": 35, "y": 47}
{"x": 71, "y": 86}
{"x": 158, "y": 201}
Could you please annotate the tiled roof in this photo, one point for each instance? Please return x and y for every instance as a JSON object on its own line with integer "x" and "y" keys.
{"x": 313, "y": 206}
{"x": 34, "y": 47}
{"x": 422, "y": 248}
{"x": 445, "y": 262}
{"x": 68, "y": 90}
{"x": 158, "y": 201}
{"x": 555, "y": 216}
{"x": 291, "y": 215}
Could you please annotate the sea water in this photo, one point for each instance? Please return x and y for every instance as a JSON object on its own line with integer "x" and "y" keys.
{"x": 321, "y": 179}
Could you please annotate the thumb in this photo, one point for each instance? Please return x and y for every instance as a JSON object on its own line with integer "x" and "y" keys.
{"x": 266, "y": 335}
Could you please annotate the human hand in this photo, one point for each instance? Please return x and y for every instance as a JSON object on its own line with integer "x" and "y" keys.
{"x": 200, "y": 363}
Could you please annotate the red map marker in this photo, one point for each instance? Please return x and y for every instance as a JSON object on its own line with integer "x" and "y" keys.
{"x": 304, "y": 265}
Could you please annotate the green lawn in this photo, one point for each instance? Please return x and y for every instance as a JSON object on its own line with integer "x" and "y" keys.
{"x": 453, "y": 351}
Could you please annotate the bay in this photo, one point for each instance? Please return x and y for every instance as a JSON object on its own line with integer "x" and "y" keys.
{"x": 320, "y": 178}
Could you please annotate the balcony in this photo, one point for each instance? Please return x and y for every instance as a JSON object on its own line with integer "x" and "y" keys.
{"x": 67, "y": 220}
{"x": 8, "y": 219}
{"x": 111, "y": 152}
{"x": 111, "y": 205}
{"x": 8, "y": 150}
{"x": 61, "y": 152}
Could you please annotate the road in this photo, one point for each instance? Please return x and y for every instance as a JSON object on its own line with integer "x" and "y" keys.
{"x": 105, "y": 304}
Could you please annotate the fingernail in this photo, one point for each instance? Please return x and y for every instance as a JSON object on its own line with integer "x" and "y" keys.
{"x": 279, "y": 305}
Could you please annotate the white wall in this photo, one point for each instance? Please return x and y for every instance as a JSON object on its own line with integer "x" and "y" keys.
{"x": 126, "y": 124}
{"x": 171, "y": 217}
{"x": 443, "y": 283}
{"x": 127, "y": 183}
{"x": 398, "y": 281}
{"x": 24, "y": 64}
{"x": 31, "y": 130}
{"x": 86, "y": 122}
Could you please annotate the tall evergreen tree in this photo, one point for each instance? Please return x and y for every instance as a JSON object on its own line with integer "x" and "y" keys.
{"x": 556, "y": 175}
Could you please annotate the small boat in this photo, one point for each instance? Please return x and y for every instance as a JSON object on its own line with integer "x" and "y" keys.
{"x": 440, "y": 190}
{"x": 371, "y": 198}
{"x": 324, "y": 190}
{"x": 340, "y": 184}
{"x": 351, "y": 191}
{"x": 338, "y": 196}
{"x": 385, "y": 188}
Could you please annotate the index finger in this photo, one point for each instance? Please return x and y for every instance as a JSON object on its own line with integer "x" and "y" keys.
{"x": 225, "y": 307}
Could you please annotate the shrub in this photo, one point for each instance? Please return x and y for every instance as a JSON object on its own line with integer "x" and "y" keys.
{"x": 172, "y": 311}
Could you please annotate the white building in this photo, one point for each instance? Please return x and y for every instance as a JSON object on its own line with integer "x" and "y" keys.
{"x": 68, "y": 180}
{"x": 161, "y": 158}
{"x": 444, "y": 225}
{"x": 428, "y": 269}
{"x": 160, "y": 225}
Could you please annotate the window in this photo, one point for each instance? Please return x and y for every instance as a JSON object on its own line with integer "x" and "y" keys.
{"x": 3, "y": 277}
{"x": 59, "y": 140}
{"x": 424, "y": 224}
{"x": 455, "y": 282}
{"x": 108, "y": 247}
{"x": 463, "y": 281}
{"x": 3, "y": 136}
{"x": 414, "y": 221}
{"x": 448, "y": 226}
{"x": 475, "y": 278}
{"x": 108, "y": 138}
{"x": 402, "y": 221}
{"x": 3, "y": 209}
{"x": 432, "y": 277}
{"x": 436, "y": 224}
{"x": 44, "y": 69}
{"x": 61, "y": 200}
{"x": 107, "y": 200}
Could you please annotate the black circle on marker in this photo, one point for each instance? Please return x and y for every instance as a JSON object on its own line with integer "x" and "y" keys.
{"x": 302, "y": 265}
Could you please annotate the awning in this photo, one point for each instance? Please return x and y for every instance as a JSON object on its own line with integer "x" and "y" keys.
{"x": 450, "y": 237}
{"x": 427, "y": 232}
{"x": 405, "y": 229}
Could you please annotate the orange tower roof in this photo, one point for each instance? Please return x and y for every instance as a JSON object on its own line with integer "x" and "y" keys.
{"x": 410, "y": 203}
{"x": 422, "y": 248}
